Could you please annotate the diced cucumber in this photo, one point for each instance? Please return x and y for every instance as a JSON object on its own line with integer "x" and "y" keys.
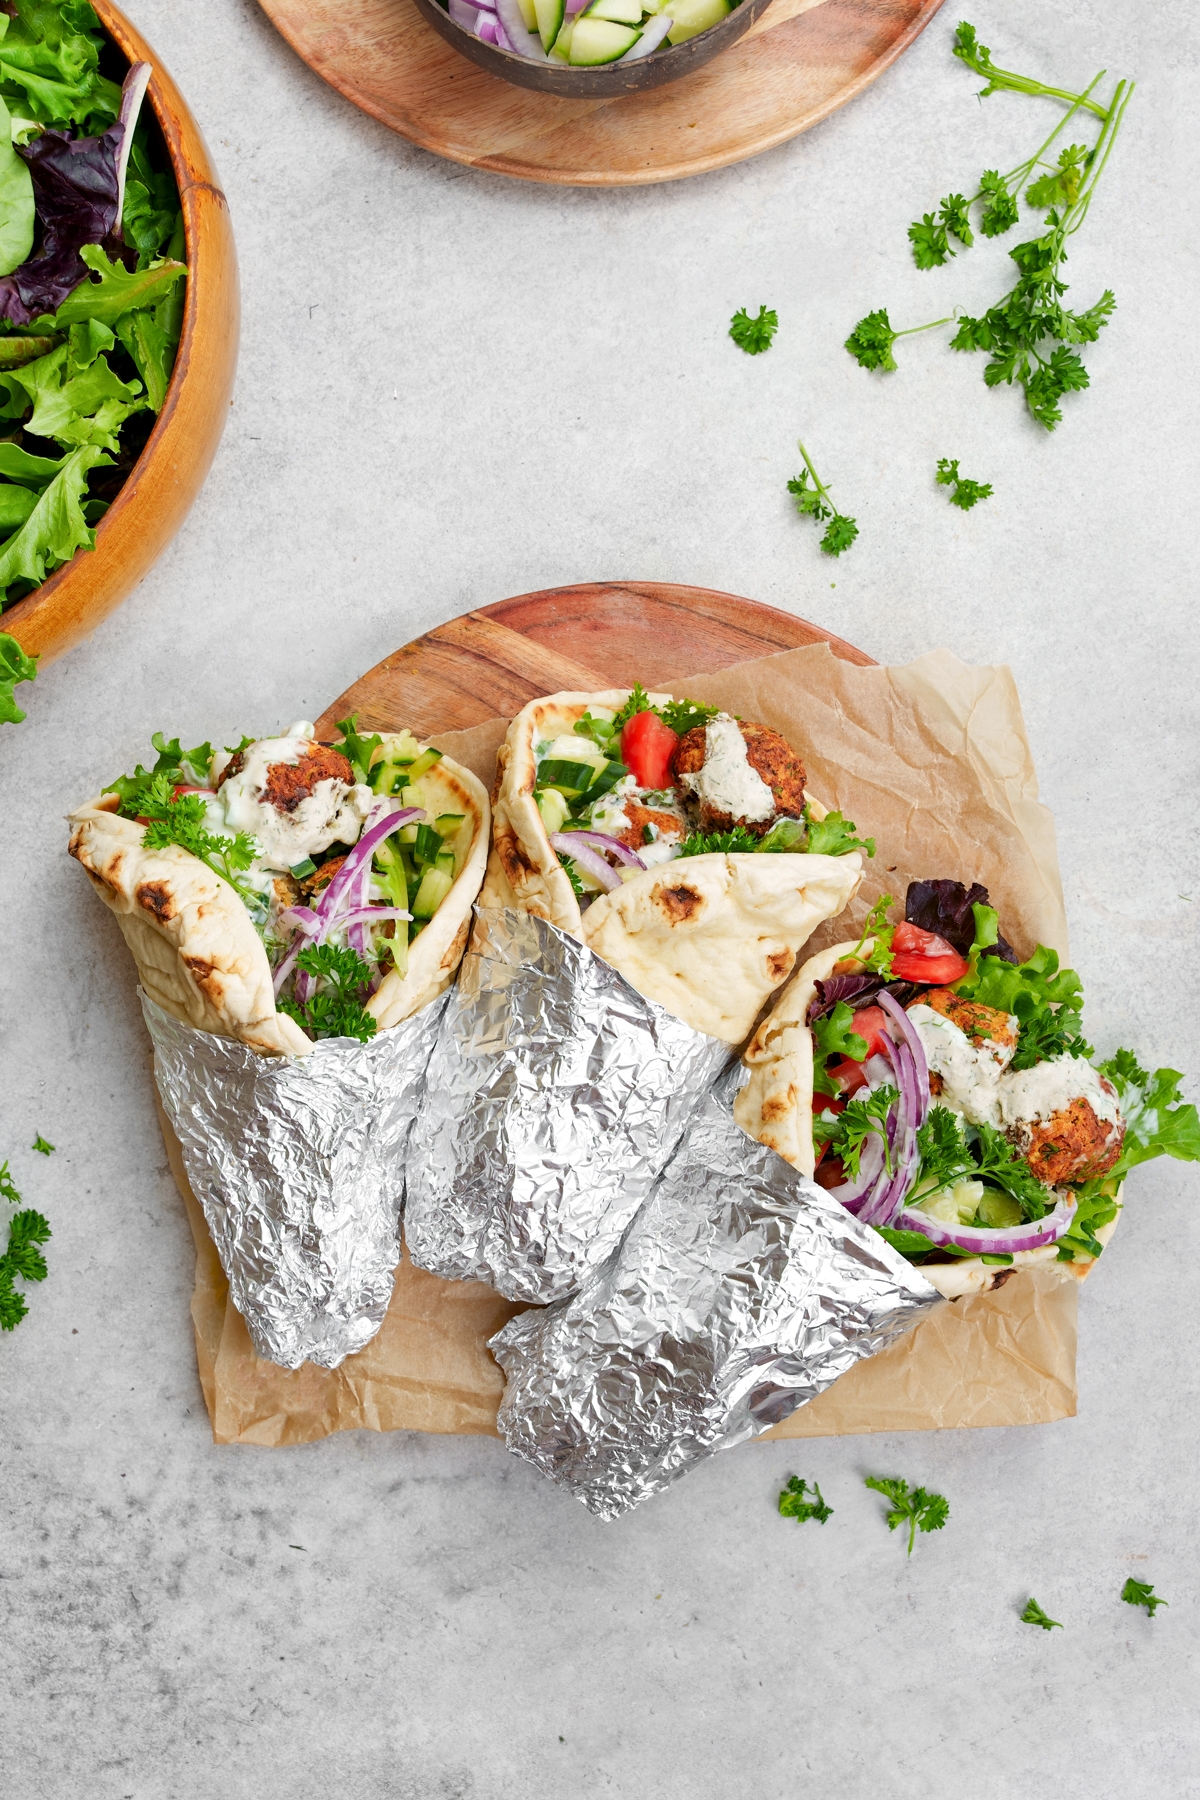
{"x": 556, "y": 772}
{"x": 694, "y": 16}
{"x": 428, "y": 844}
{"x": 445, "y": 862}
{"x": 426, "y": 760}
{"x": 448, "y": 823}
{"x": 550, "y": 15}
{"x": 553, "y": 807}
{"x": 597, "y": 41}
{"x": 435, "y": 885}
{"x": 562, "y": 43}
{"x": 996, "y": 1208}
{"x": 621, "y": 12}
{"x": 528, "y": 14}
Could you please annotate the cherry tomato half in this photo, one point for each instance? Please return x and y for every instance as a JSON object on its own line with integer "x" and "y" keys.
{"x": 919, "y": 955}
{"x": 647, "y": 746}
{"x": 848, "y": 1074}
{"x": 870, "y": 1022}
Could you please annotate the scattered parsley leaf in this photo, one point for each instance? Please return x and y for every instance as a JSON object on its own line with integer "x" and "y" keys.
{"x": 8, "y": 1188}
{"x": 685, "y": 715}
{"x": 919, "y": 1510}
{"x": 870, "y": 343}
{"x": 15, "y": 667}
{"x": 814, "y": 502}
{"x": 1135, "y": 1593}
{"x": 793, "y": 1505}
{"x": 40, "y": 1144}
{"x": 336, "y": 1008}
{"x": 834, "y": 1037}
{"x": 966, "y": 493}
{"x": 753, "y": 335}
{"x": 22, "y": 1258}
{"x": 978, "y": 58}
{"x": 1033, "y": 1615}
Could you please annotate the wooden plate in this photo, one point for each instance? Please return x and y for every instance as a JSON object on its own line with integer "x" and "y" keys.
{"x": 171, "y": 469}
{"x": 487, "y": 664}
{"x": 796, "y": 65}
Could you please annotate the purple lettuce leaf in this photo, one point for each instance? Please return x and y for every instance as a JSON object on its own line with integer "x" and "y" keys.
{"x": 944, "y": 907}
{"x": 76, "y": 188}
{"x": 855, "y": 990}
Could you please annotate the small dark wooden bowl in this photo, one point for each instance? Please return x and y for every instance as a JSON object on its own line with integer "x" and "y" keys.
{"x": 605, "y": 83}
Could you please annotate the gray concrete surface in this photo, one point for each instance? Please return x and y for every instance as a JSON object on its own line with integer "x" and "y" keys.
{"x": 454, "y": 388}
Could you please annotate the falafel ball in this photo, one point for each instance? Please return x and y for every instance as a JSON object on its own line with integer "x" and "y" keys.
{"x": 769, "y": 754}
{"x": 290, "y": 783}
{"x": 1072, "y": 1146}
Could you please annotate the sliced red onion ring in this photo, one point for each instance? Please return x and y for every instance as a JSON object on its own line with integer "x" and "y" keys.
{"x": 371, "y": 915}
{"x": 999, "y": 1240}
{"x": 912, "y": 1038}
{"x": 523, "y": 42}
{"x": 653, "y": 33}
{"x": 462, "y": 14}
{"x": 600, "y": 840}
{"x": 587, "y": 859}
{"x": 486, "y": 27}
{"x": 336, "y": 894}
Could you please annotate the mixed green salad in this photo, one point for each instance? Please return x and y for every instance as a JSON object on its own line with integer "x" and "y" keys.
{"x": 586, "y": 33}
{"x": 91, "y": 282}
{"x": 336, "y": 851}
{"x": 627, "y": 789}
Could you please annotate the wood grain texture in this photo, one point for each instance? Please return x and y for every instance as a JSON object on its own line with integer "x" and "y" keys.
{"x": 797, "y": 64}
{"x": 171, "y": 469}
{"x": 489, "y": 663}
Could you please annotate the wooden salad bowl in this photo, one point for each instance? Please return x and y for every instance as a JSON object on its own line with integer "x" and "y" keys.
{"x": 171, "y": 469}
{"x": 610, "y": 80}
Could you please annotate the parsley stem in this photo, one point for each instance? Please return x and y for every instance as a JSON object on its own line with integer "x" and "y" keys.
{"x": 1023, "y": 170}
{"x": 912, "y": 329}
{"x": 1122, "y": 95}
{"x": 817, "y": 482}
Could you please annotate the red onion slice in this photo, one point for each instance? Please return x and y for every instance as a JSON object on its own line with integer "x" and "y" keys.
{"x": 335, "y": 896}
{"x": 524, "y": 42}
{"x": 599, "y": 840}
{"x": 587, "y": 859}
{"x": 912, "y": 1038}
{"x": 999, "y": 1240}
{"x": 653, "y": 33}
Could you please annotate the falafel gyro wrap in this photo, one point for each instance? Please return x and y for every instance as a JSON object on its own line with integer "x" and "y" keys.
{"x": 943, "y": 1091}
{"x": 656, "y": 868}
{"x": 296, "y": 911}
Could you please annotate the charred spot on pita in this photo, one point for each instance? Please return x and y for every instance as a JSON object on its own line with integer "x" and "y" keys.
{"x": 156, "y": 897}
{"x": 680, "y": 903}
{"x": 781, "y": 963}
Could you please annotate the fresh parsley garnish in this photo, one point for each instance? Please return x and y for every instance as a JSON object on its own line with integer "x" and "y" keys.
{"x": 870, "y": 343}
{"x": 572, "y": 875}
{"x": 814, "y": 503}
{"x": 1134, "y": 1593}
{"x": 182, "y": 821}
{"x": 876, "y": 927}
{"x": 1033, "y": 1615}
{"x": 738, "y": 842}
{"x": 831, "y": 836}
{"x": 22, "y": 1258}
{"x": 834, "y": 1038}
{"x": 793, "y": 1505}
{"x": 753, "y": 335}
{"x": 951, "y": 1151}
{"x": 918, "y": 1509}
{"x": 966, "y": 493}
{"x": 15, "y": 667}
{"x": 343, "y": 982}
{"x": 861, "y": 1118}
{"x": 681, "y": 715}
{"x": 638, "y": 702}
{"x": 40, "y": 1144}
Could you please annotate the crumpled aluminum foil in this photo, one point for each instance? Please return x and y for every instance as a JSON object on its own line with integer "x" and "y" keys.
{"x": 740, "y": 1292}
{"x": 555, "y": 1096}
{"x": 299, "y": 1167}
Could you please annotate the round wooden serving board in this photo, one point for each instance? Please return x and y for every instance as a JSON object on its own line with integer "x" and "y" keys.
{"x": 489, "y": 663}
{"x": 796, "y": 65}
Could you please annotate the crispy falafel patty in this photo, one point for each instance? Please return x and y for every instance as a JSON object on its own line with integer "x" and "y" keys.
{"x": 768, "y": 755}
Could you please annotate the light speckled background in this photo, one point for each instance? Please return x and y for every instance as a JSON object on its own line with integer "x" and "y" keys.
{"x": 454, "y": 388}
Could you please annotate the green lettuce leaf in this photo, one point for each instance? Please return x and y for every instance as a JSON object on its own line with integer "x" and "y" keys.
{"x": 16, "y": 504}
{"x": 1157, "y": 1121}
{"x": 15, "y": 667}
{"x": 30, "y": 471}
{"x": 117, "y": 292}
{"x": 56, "y": 528}
{"x": 152, "y": 350}
{"x": 78, "y": 398}
{"x": 1047, "y": 1001}
{"x": 16, "y": 201}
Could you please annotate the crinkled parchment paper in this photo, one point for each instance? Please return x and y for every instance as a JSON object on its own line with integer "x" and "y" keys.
{"x": 932, "y": 760}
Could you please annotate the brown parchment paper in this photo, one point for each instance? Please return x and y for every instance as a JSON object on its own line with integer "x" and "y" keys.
{"x": 932, "y": 760}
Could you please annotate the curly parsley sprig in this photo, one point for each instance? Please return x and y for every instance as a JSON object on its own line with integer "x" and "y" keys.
{"x": 336, "y": 1008}
{"x": 21, "y": 1259}
{"x": 966, "y": 493}
{"x": 918, "y": 1509}
{"x": 793, "y": 1505}
{"x": 814, "y": 503}
{"x": 753, "y": 335}
{"x": 182, "y": 820}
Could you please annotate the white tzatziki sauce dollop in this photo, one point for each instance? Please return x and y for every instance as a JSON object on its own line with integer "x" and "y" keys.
{"x": 1028, "y": 1095}
{"x": 970, "y": 1075}
{"x": 334, "y": 813}
{"x": 728, "y": 782}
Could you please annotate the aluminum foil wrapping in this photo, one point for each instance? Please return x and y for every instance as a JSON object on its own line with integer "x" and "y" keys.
{"x": 299, "y": 1167}
{"x": 555, "y": 1097}
{"x": 740, "y": 1292}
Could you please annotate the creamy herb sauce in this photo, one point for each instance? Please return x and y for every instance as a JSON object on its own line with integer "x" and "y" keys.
{"x": 333, "y": 813}
{"x": 1038, "y": 1093}
{"x": 970, "y": 1076}
{"x": 727, "y": 782}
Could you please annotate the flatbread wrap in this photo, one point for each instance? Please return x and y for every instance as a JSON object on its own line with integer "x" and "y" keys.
{"x": 943, "y": 1091}
{"x": 678, "y": 843}
{"x": 286, "y": 890}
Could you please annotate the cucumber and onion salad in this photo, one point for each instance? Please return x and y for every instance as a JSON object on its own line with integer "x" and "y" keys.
{"x": 586, "y": 33}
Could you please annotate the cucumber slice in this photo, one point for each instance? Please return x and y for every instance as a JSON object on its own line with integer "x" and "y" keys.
{"x": 621, "y": 12}
{"x": 562, "y": 43}
{"x": 427, "y": 845}
{"x": 550, "y": 15}
{"x": 571, "y": 777}
{"x": 435, "y": 885}
{"x": 528, "y": 14}
{"x": 425, "y": 761}
{"x": 694, "y": 16}
{"x": 999, "y": 1209}
{"x": 597, "y": 41}
{"x": 553, "y": 807}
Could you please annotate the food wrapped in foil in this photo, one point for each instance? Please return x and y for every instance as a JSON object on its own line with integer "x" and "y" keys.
{"x": 299, "y": 1164}
{"x": 740, "y": 1292}
{"x": 555, "y": 1096}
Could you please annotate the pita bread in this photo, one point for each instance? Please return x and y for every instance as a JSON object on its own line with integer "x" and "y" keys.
{"x": 776, "y": 1107}
{"x": 710, "y": 938}
{"x": 197, "y": 952}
